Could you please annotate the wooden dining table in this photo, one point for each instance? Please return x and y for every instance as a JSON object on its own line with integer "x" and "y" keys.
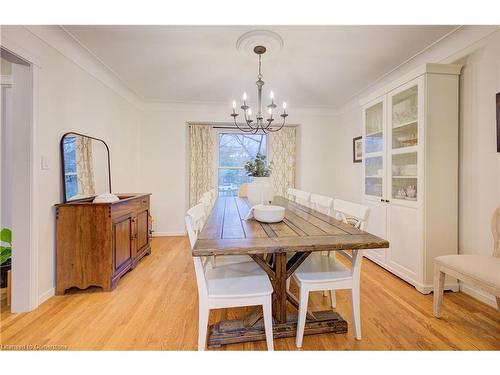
{"x": 279, "y": 249}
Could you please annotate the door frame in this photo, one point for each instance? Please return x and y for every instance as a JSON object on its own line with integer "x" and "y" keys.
{"x": 25, "y": 294}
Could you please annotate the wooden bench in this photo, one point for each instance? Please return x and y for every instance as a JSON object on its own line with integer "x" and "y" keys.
{"x": 480, "y": 271}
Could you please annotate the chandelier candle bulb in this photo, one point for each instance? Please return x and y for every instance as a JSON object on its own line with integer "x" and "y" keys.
{"x": 271, "y": 95}
{"x": 244, "y": 97}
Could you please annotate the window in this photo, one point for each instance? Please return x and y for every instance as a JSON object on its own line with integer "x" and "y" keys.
{"x": 235, "y": 149}
{"x": 70, "y": 174}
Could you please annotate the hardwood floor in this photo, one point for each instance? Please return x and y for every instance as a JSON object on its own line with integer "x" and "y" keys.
{"x": 155, "y": 308}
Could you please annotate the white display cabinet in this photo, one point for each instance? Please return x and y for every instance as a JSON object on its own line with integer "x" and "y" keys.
{"x": 410, "y": 171}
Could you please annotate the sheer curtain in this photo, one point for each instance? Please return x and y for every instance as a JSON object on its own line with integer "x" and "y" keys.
{"x": 283, "y": 146}
{"x": 201, "y": 161}
{"x": 84, "y": 166}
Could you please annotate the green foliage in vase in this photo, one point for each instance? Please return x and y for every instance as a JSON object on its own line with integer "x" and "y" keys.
{"x": 258, "y": 167}
{"x": 5, "y": 251}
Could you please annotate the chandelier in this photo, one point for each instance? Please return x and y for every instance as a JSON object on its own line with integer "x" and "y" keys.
{"x": 259, "y": 123}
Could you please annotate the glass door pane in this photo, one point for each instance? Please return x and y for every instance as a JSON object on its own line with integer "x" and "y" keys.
{"x": 405, "y": 118}
{"x": 404, "y": 156}
{"x": 374, "y": 136}
{"x": 404, "y": 176}
{"x": 374, "y": 150}
{"x": 374, "y": 170}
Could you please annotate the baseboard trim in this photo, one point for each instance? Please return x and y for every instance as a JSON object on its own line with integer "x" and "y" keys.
{"x": 168, "y": 234}
{"x": 46, "y": 295}
{"x": 478, "y": 294}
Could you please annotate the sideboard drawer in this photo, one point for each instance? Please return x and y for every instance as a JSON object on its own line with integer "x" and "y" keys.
{"x": 125, "y": 208}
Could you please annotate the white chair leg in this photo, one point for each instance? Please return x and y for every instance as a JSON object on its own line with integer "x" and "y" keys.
{"x": 356, "y": 315}
{"x": 268, "y": 323}
{"x": 325, "y": 293}
{"x": 438, "y": 291}
{"x": 333, "y": 299}
{"x": 301, "y": 322}
{"x": 202, "y": 326}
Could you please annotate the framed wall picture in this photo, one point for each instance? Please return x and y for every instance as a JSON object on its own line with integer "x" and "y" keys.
{"x": 498, "y": 122}
{"x": 357, "y": 149}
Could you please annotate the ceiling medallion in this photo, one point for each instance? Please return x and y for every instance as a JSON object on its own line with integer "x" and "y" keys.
{"x": 259, "y": 123}
{"x": 247, "y": 42}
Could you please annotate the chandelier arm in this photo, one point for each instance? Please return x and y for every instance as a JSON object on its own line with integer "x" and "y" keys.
{"x": 242, "y": 129}
{"x": 278, "y": 129}
{"x": 249, "y": 122}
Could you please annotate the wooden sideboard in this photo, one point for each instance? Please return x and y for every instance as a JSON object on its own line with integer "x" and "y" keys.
{"x": 97, "y": 243}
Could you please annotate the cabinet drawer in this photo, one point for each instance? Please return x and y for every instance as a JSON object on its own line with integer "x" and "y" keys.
{"x": 125, "y": 208}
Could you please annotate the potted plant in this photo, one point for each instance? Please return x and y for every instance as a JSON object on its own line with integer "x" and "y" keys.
{"x": 5, "y": 255}
{"x": 260, "y": 190}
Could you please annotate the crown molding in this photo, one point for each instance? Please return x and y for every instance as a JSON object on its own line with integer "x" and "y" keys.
{"x": 67, "y": 45}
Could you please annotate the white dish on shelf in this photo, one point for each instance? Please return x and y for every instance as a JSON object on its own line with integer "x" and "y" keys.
{"x": 268, "y": 213}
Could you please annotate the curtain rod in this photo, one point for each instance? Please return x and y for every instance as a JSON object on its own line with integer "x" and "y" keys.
{"x": 230, "y": 125}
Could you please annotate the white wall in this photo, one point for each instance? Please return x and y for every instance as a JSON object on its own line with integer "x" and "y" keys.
{"x": 70, "y": 99}
{"x": 164, "y": 165}
{"x": 479, "y": 170}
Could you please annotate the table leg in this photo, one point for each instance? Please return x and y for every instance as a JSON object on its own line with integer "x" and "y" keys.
{"x": 279, "y": 287}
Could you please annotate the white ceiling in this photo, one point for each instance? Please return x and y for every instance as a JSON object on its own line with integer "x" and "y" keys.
{"x": 318, "y": 66}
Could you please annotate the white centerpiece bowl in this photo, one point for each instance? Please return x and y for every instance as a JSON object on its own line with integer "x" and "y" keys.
{"x": 268, "y": 213}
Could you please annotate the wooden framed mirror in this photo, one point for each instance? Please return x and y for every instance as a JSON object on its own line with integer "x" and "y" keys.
{"x": 86, "y": 166}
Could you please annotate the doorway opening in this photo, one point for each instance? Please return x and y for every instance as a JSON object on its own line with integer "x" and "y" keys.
{"x": 18, "y": 269}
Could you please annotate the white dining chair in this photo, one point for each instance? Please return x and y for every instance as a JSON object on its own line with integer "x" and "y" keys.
{"x": 302, "y": 197}
{"x": 234, "y": 285}
{"x": 320, "y": 272}
{"x": 480, "y": 271}
{"x": 322, "y": 204}
{"x": 290, "y": 194}
{"x": 206, "y": 200}
{"x": 213, "y": 195}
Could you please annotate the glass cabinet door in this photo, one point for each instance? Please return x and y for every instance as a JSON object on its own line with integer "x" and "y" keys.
{"x": 374, "y": 150}
{"x": 404, "y": 141}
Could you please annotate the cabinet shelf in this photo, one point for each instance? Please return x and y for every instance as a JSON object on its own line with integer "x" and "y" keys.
{"x": 407, "y": 123}
{"x": 373, "y": 133}
{"x": 373, "y": 176}
{"x": 405, "y": 150}
{"x": 414, "y": 177}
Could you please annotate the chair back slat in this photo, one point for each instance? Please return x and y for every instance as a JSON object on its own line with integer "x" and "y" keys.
{"x": 351, "y": 213}
{"x": 290, "y": 194}
{"x": 302, "y": 197}
{"x": 321, "y": 203}
{"x": 206, "y": 201}
{"x": 495, "y": 228}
